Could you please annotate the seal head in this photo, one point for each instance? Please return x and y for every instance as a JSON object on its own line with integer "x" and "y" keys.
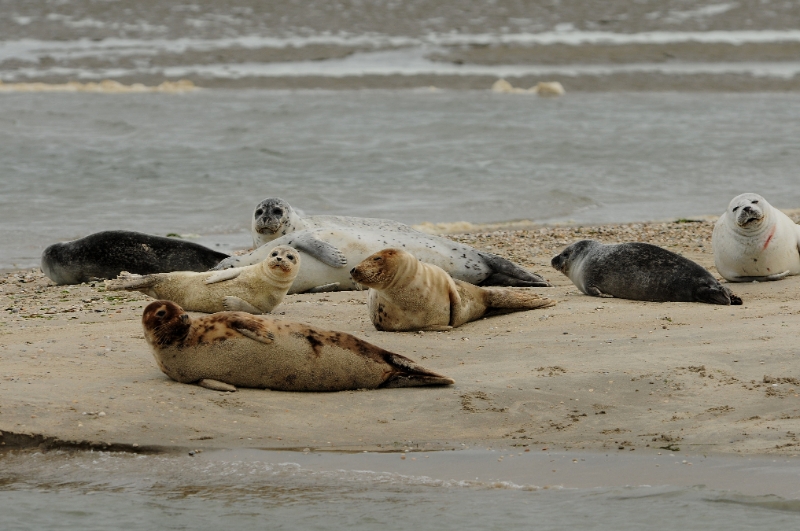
{"x": 165, "y": 323}
{"x": 272, "y": 218}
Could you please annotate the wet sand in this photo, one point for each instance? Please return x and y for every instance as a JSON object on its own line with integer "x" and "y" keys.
{"x": 589, "y": 373}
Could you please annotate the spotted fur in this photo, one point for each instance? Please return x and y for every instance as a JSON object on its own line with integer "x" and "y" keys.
{"x": 243, "y": 350}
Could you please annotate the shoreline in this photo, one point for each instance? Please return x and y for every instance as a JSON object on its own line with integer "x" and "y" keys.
{"x": 589, "y": 374}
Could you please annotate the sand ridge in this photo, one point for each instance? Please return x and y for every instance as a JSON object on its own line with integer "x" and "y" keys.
{"x": 589, "y": 373}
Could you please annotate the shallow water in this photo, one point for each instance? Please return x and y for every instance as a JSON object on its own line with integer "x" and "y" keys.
{"x": 196, "y": 164}
{"x": 470, "y": 489}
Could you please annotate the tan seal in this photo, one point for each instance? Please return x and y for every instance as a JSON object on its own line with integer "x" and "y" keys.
{"x": 255, "y": 289}
{"x": 230, "y": 349}
{"x": 406, "y": 294}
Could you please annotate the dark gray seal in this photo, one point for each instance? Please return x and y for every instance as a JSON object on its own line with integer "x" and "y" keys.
{"x": 639, "y": 271}
{"x": 106, "y": 254}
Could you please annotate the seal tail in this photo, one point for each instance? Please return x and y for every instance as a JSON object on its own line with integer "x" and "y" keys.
{"x": 515, "y": 299}
{"x": 409, "y": 374}
{"x": 130, "y": 282}
{"x": 505, "y": 273}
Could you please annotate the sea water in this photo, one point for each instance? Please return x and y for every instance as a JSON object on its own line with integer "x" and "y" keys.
{"x": 476, "y": 489}
{"x": 196, "y": 164}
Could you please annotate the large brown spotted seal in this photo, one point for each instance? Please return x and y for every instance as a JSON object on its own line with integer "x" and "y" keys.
{"x": 406, "y": 294}
{"x": 639, "y": 271}
{"x": 753, "y": 240}
{"x": 106, "y": 254}
{"x": 226, "y": 350}
{"x": 255, "y": 289}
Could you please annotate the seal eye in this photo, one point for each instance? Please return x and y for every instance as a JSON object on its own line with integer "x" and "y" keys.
{"x": 259, "y": 212}
{"x": 377, "y": 259}
{"x": 755, "y": 202}
{"x": 275, "y": 254}
{"x": 277, "y": 212}
{"x": 290, "y": 256}
{"x": 161, "y": 313}
{"x": 735, "y": 209}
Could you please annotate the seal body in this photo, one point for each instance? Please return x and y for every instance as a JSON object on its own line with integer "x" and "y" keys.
{"x": 406, "y": 294}
{"x": 332, "y": 243}
{"x": 753, "y": 240}
{"x": 238, "y": 349}
{"x": 639, "y": 271}
{"x": 255, "y": 289}
{"x": 106, "y": 254}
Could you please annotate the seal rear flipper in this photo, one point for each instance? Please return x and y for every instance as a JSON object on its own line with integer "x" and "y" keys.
{"x": 415, "y": 380}
{"x": 216, "y": 385}
{"x": 409, "y": 374}
{"x": 130, "y": 282}
{"x": 322, "y": 251}
{"x": 506, "y": 273}
{"x": 515, "y": 299}
{"x": 715, "y": 295}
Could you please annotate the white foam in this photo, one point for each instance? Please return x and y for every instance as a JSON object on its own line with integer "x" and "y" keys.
{"x": 30, "y": 49}
{"x": 407, "y": 62}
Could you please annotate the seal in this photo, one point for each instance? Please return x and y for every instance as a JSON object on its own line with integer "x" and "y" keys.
{"x": 106, "y": 254}
{"x": 753, "y": 240}
{"x": 639, "y": 271}
{"x": 330, "y": 243}
{"x": 254, "y": 289}
{"x": 226, "y": 350}
{"x": 406, "y": 294}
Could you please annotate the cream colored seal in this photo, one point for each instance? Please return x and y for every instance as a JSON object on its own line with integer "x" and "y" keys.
{"x": 226, "y": 350}
{"x": 753, "y": 240}
{"x": 255, "y": 289}
{"x": 406, "y": 294}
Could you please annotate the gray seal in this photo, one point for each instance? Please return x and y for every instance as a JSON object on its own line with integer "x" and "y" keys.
{"x": 104, "y": 255}
{"x": 335, "y": 244}
{"x": 639, "y": 271}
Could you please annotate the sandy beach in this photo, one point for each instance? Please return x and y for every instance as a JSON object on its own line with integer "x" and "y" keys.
{"x": 588, "y": 374}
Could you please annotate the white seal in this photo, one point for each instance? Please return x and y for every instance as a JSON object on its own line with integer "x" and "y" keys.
{"x": 330, "y": 243}
{"x": 753, "y": 240}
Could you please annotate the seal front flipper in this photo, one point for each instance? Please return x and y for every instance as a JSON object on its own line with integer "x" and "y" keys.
{"x": 324, "y": 288}
{"x": 231, "y": 261}
{"x": 216, "y": 385}
{"x": 322, "y": 251}
{"x": 594, "y": 292}
{"x": 225, "y": 274}
{"x": 505, "y": 273}
{"x": 235, "y": 304}
{"x": 253, "y": 328}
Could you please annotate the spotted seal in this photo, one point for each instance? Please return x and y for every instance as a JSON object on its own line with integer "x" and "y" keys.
{"x": 254, "y": 289}
{"x": 106, "y": 254}
{"x": 753, "y": 240}
{"x": 333, "y": 242}
{"x": 639, "y": 271}
{"x": 406, "y": 294}
{"x": 226, "y": 350}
